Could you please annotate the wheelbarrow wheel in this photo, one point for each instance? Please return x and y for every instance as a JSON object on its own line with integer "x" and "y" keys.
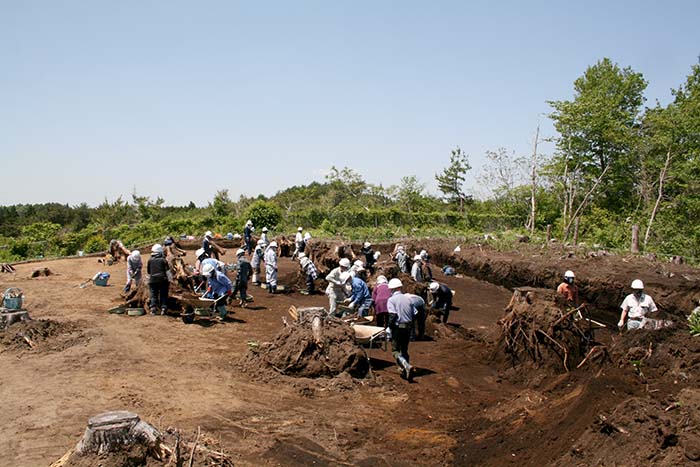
{"x": 188, "y": 316}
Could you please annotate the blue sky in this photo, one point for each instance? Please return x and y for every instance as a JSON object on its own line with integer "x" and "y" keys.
{"x": 180, "y": 99}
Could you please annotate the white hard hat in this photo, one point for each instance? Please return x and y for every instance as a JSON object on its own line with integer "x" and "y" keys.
{"x": 208, "y": 233}
{"x": 367, "y": 244}
{"x": 395, "y": 283}
{"x": 207, "y": 269}
{"x": 434, "y": 286}
{"x": 299, "y": 229}
{"x": 569, "y": 274}
{"x": 157, "y": 248}
{"x": 417, "y": 257}
{"x": 344, "y": 262}
{"x": 302, "y": 255}
{"x": 637, "y": 284}
{"x": 381, "y": 280}
{"x": 358, "y": 264}
{"x": 240, "y": 252}
{"x": 249, "y": 222}
{"x": 423, "y": 254}
{"x": 307, "y": 236}
{"x": 377, "y": 254}
{"x": 199, "y": 253}
{"x": 261, "y": 242}
{"x": 399, "y": 247}
{"x": 264, "y": 229}
{"x": 273, "y": 244}
{"x": 136, "y": 254}
{"x": 344, "y": 276}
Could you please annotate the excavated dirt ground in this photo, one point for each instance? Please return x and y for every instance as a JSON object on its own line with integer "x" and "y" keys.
{"x": 640, "y": 407}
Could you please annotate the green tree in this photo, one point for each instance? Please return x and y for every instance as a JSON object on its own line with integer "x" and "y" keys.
{"x": 221, "y": 206}
{"x": 264, "y": 214}
{"x": 451, "y": 180}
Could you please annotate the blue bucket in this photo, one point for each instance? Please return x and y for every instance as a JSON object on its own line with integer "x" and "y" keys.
{"x": 12, "y": 303}
{"x": 101, "y": 282}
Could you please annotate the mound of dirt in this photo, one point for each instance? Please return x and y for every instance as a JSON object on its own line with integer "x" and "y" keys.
{"x": 301, "y": 351}
{"x": 42, "y": 272}
{"x": 538, "y": 331}
{"x": 40, "y": 336}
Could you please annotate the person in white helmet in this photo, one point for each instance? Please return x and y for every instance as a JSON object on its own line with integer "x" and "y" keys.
{"x": 134, "y": 266}
{"x": 380, "y": 297}
{"x": 568, "y": 289}
{"x": 263, "y": 237}
{"x": 337, "y": 279}
{"x": 248, "y": 236}
{"x": 370, "y": 259}
{"x": 206, "y": 243}
{"x": 244, "y": 271}
{"x": 402, "y": 312}
{"x": 298, "y": 243}
{"x": 442, "y": 300}
{"x": 308, "y": 268}
{"x": 117, "y": 249}
{"x": 356, "y": 267}
{"x": 158, "y": 283}
{"x": 636, "y": 306}
{"x": 417, "y": 269}
{"x": 271, "y": 267}
{"x": 256, "y": 260}
{"x": 401, "y": 259}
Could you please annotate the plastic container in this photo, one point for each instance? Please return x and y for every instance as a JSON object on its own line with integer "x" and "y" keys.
{"x": 101, "y": 282}
{"x": 12, "y": 303}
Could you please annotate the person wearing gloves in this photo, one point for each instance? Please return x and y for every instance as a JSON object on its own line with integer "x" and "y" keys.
{"x": 360, "y": 298}
{"x": 206, "y": 243}
{"x": 271, "y": 267}
{"x": 263, "y": 237}
{"x": 380, "y": 296}
{"x": 242, "y": 276}
{"x": 157, "y": 269}
{"x": 298, "y": 243}
{"x": 370, "y": 259}
{"x": 402, "y": 312}
{"x": 256, "y": 260}
{"x": 337, "y": 279}
{"x": 636, "y": 306}
{"x": 417, "y": 269}
{"x": 356, "y": 267}
{"x": 218, "y": 286}
{"x": 401, "y": 259}
{"x": 442, "y": 300}
{"x": 308, "y": 268}
{"x": 134, "y": 266}
{"x": 248, "y": 236}
{"x": 568, "y": 289}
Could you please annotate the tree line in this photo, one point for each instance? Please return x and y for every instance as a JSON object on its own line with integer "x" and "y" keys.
{"x": 616, "y": 163}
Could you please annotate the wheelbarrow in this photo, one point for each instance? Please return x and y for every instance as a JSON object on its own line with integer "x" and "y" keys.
{"x": 198, "y": 307}
{"x": 368, "y": 335}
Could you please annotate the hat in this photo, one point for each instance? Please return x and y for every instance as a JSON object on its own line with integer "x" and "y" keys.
{"x": 207, "y": 269}
{"x": 302, "y": 255}
{"x": 381, "y": 280}
{"x": 569, "y": 274}
{"x": 434, "y": 286}
{"x": 344, "y": 276}
{"x": 637, "y": 284}
{"x": 399, "y": 247}
{"x": 264, "y": 229}
{"x": 136, "y": 254}
{"x": 299, "y": 229}
{"x": 273, "y": 244}
{"x": 249, "y": 222}
{"x": 395, "y": 283}
{"x": 344, "y": 262}
{"x": 307, "y": 236}
{"x": 417, "y": 257}
{"x": 207, "y": 233}
{"x": 199, "y": 253}
{"x": 261, "y": 242}
{"x": 367, "y": 244}
{"x": 240, "y": 252}
{"x": 157, "y": 248}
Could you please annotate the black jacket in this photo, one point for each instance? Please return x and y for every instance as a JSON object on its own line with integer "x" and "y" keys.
{"x": 157, "y": 269}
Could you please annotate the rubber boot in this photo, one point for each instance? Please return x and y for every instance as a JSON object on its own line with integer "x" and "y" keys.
{"x": 407, "y": 368}
{"x": 255, "y": 279}
{"x": 269, "y": 288}
{"x": 274, "y": 289}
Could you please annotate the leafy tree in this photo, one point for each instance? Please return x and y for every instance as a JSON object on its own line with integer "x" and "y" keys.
{"x": 221, "y": 206}
{"x": 264, "y": 214}
{"x": 451, "y": 180}
{"x": 147, "y": 209}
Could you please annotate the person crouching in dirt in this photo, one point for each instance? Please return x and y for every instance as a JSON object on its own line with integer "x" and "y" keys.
{"x": 271, "y": 267}
{"x": 442, "y": 300}
{"x": 402, "y": 312}
{"x": 308, "y": 268}
{"x": 337, "y": 279}
{"x": 368, "y": 252}
{"x": 118, "y": 250}
{"x": 218, "y": 285}
{"x": 380, "y": 296}
{"x": 568, "y": 289}
{"x": 361, "y": 298}
{"x": 134, "y": 266}
{"x": 298, "y": 243}
{"x": 255, "y": 261}
{"x": 158, "y": 282}
{"x": 418, "y": 330}
{"x": 636, "y": 306}
{"x": 248, "y": 236}
{"x": 242, "y": 277}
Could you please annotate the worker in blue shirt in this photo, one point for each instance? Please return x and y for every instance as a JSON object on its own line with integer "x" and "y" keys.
{"x": 402, "y": 312}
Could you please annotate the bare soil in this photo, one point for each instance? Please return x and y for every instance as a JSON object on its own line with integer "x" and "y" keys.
{"x": 639, "y": 407}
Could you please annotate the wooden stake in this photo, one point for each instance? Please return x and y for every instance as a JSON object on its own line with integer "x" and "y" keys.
{"x": 635, "y": 239}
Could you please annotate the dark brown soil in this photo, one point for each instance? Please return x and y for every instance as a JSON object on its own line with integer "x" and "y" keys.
{"x": 40, "y": 336}
{"x": 41, "y": 272}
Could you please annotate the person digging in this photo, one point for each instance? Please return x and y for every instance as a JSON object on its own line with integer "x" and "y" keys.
{"x": 401, "y": 315}
{"x": 218, "y": 287}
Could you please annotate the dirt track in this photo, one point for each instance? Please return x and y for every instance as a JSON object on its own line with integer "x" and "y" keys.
{"x": 462, "y": 409}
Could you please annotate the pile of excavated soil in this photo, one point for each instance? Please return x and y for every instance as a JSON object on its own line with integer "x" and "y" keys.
{"x": 42, "y": 335}
{"x": 42, "y": 272}
{"x": 296, "y": 352}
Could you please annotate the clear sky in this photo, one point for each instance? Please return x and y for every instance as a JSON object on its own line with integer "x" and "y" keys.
{"x": 180, "y": 99}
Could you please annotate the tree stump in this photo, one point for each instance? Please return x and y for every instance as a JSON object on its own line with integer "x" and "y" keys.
{"x": 111, "y": 431}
